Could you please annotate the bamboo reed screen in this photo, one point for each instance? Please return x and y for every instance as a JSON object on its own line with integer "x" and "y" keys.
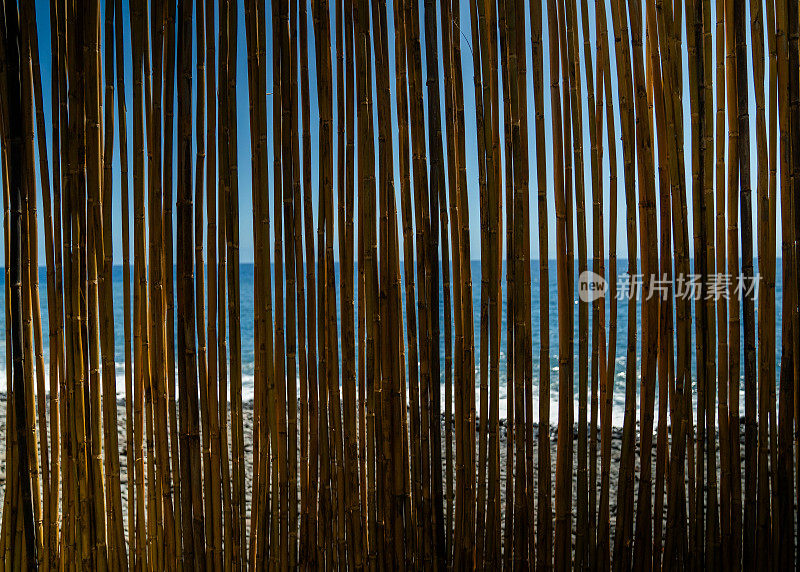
{"x": 375, "y": 438}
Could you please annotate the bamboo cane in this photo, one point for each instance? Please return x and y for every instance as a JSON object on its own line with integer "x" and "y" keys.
{"x": 32, "y": 91}
{"x": 733, "y": 271}
{"x": 385, "y": 392}
{"x": 467, "y": 390}
{"x": 523, "y": 354}
{"x": 624, "y": 524}
{"x": 170, "y": 53}
{"x": 422, "y": 225}
{"x": 766, "y": 264}
{"x": 223, "y": 196}
{"x": 511, "y": 385}
{"x": 157, "y": 315}
{"x": 784, "y": 542}
{"x": 92, "y": 160}
{"x": 257, "y": 104}
{"x": 210, "y": 498}
{"x": 367, "y": 264}
{"x": 649, "y": 247}
{"x": 748, "y": 524}
{"x": 435, "y": 191}
{"x": 450, "y": 367}
{"x": 311, "y": 330}
{"x": 228, "y": 178}
{"x": 544, "y": 512}
{"x": 238, "y": 550}
{"x": 345, "y": 188}
{"x": 722, "y": 310}
{"x": 408, "y": 252}
{"x": 192, "y": 511}
{"x": 583, "y": 351}
{"x": 676, "y": 548}
{"x": 505, "y": 19}
{"x": 214, "y": 519}
{"x": 139, "y": 358}
{"x": 793, "y": 36}
{"x": 280, "y": 61}
{"x": 103, "y": 229}
{"x": 598, "y": 263}
{"x": 563, "y": 494}
{"x": 479, "y": 32}
{"x": 657, "y": 41}
{"x": 12, "y": 49}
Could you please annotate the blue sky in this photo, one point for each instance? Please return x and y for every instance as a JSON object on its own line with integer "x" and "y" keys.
{"x": 245, "y": 186}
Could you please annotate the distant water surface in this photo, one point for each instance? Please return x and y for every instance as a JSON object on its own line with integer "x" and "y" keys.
{"x": 247, "y": 335}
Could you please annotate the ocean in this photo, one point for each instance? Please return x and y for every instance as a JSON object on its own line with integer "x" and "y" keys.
{"x": 247, "y": 336}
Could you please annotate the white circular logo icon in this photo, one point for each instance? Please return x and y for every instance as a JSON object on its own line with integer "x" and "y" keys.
{"x": 591, "y": 286}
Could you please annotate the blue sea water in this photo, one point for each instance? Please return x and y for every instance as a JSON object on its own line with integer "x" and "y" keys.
{"x": 247, "y": 334}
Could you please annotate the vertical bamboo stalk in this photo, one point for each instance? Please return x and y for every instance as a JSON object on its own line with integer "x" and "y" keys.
{"x": 389, "y": 355}
{"x": 345, "y": 102}
{"x": 192, "y": 511}
{"x": 422, "y": 222}
{"x": 766, "y": 266}
{"x": 465, "y": 434}
{"x": 773, "y": 95}
{"x": 257, "y": 97}
{"x": 544, "y": 512}
{"x": 220, "y": 438}
{"x": 210, "y": 498}
{"x": 157, "y": 315}
{"x": 367, "y": 265}
{"x": 676, "y": 549}
{"x": 722, "y": 309}
{"x": 30, "y": 45}
{"x": 15, "y": 164}
{"x": 54, "y": 293}
{"x": 650, "y": 303}
{"x": 576, "y": 107}
{"x": 408, "y": 252}
{"x": 505, "y": 23}
{"x": 511, "y": 386}
{"x": 226, "y": 180}
{"x": 453, "y": 179}
{"x": 322, "y": 27}
{"x": 311, "y": 330}
{"x": 713, "y": 529}
{"x": 291, "y": 281}
{"x": 733, "y": 272}
{"x": 139, "y": 276}
{"x": 214, "y": 519}
{"x": 435, "y": 191}
{"x": 238, "y": 550}
{"x": 624, "y": 524}
{"x": 522, "y": 272}
{"x": 484, "y": 122}
{"x": 279, "y": 394}
{"x": 657, "y": 40}
{"x": 783, "y": 542}
{"x": 93, "y": 166}
{"x": 598, "y": 266}
{"x": 564, "y": 460}
{"x": 748, "y": 302}
{"x": 170, "y": 54}
{"x": 793, "y": 35}
{"x": 103, "y": 225}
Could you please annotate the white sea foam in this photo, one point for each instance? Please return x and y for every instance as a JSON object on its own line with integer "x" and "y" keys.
{"x": 617, "y": 409}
